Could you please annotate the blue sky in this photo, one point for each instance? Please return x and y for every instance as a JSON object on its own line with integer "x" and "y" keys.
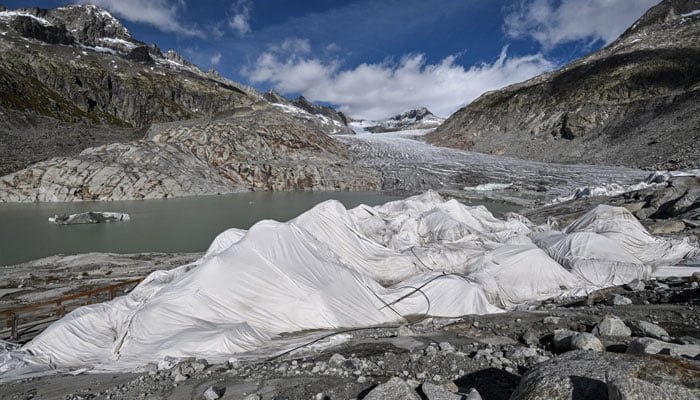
{"x": 372, "y": 58}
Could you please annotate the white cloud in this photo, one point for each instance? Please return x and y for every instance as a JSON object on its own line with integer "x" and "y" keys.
{"x": 573, "y": 20}
{"x": 160, "y": 13}
{"x": 240, "y": 21}
{"x": 215, "y": 59}
{"x": 381, "y": 90}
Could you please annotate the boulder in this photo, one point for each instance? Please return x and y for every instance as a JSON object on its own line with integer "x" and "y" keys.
{"x": 646, "y": 329}
{"x": 562, "y": 339}
{"x": 635, "y": 286}
{"x": 393, "y": 389}
{"x": 566, "y": 340}
{"x": 612, "y": 326}
{"x": 214, "y": 393}
{"x": 630, "y": 388}
{"x": 583, "y": 375}
{"x": 617, "y": 300}
{"x": 473, "y": 395}
{"x": 438, "y": 392}
{"x": 586, "y": 341}
{"x": 652, "y": 346}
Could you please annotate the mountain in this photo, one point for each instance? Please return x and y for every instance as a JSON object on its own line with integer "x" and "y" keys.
{"x": 325, "y": 118}
{"x": 258, "y": 147}
{"x": 636, "y": 102}
{"x": 74, "y": 77}
{"x": 87, "y": 112}
{"x": 420, "y": 118}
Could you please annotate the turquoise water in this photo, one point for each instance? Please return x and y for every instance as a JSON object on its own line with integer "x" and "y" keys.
{"x": 186, "y": 224}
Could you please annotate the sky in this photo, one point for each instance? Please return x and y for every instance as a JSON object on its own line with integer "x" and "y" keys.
{"x": 373, "y": 59}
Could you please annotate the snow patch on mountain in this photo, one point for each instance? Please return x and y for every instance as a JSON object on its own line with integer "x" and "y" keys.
{"x": 8, "y": 15}
{"x": 420, "y": 118}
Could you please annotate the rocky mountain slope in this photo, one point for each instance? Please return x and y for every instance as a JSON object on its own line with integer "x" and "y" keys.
{"x": 420, "y": 118}
{"x": 325, "y": 118}
{"x": 73, "y": 77}
{"x": 635, "y": 102}
{"x": 249, "y": 148}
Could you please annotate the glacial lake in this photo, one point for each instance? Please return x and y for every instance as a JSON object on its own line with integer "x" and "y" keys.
{"x": 186, "y": 224}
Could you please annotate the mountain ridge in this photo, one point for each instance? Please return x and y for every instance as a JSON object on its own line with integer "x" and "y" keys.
{"x": 413, "y": 119}
{"x": 609, "y": 107}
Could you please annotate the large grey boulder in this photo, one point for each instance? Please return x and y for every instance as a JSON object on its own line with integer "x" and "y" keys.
{"x": 586, "y": 341}
{"x": 566, "y": 340}
{"x": 583, "y": 375}
{"x": 393, "y": 389}
{"x": 646, "y": 329}
{"x": 612, "y": 326}
{"x": 652, "y": 346}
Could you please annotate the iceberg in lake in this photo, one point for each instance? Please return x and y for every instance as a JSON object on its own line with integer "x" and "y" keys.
{"x": 332, "y": 268}
{"x": 89, "y": 217}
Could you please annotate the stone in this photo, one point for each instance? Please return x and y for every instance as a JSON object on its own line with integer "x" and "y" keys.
{"x": 635, "y": 285}
{"x": 521, "y": 352}
{"x": 586, "y": 341}
{"x": 551, "y": 320}
{"x": 562, "y": 339}
{"x": 473, "y": 395}
{"x": 617, "y": 300}
{"x": 393, "y": 389}
{"x": 199, "y": 365}
{"x": 531, "y": 337}
{"x": 446, "y": 347}
{"x": 630, "y": 388}
{"x": 653, "y": 346}
{"x": 583, "y": 375}
{"x": 337, "y": 361}
{"x": 612, "y": 326}
{"x": 695, "y": 277}
{"x": 438, "y": 392}
{"x": 178, "y": 376}
{"x": 214, "y": 392}
{"x": 646, "y": 329}
{"x": 405, "y": 330}
{"x": 566, "y": 340}
{"x": 659, "y": 285}
{"x": 253, "y": 396}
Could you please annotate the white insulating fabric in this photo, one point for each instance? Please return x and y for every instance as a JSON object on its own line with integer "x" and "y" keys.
{"x": 596, "y": 259}
{"x": 334, "y": 268}
{"x": 618, "y": 224}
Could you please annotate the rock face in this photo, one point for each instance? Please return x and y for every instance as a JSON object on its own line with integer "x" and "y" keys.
{"x": 635, "y": 102}
{"x": 255, "y": 148}
{"x": 73, "y": 67}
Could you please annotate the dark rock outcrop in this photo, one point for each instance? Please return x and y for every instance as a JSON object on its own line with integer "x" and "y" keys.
{"x": 635, "y": 102}
{"x": 73, "y": 77}
{"x": 31, "y": 28}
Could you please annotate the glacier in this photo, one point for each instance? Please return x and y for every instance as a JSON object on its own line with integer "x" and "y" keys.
{"x": 332, "y": 268}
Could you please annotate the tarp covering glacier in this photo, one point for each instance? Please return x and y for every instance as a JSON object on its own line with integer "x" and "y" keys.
{"x": 332, "y": 268}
